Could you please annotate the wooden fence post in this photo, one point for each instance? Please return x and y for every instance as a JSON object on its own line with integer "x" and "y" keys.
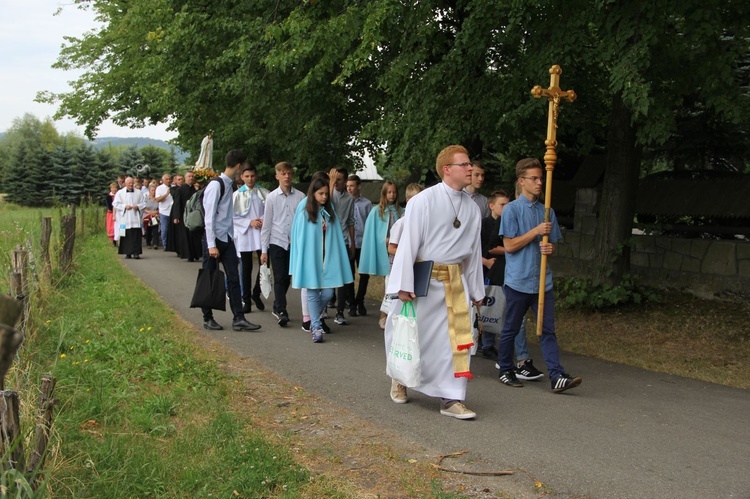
{"x": 44, "y": 244}
{"x": 69, "y": 237}
{"x": 43, "y": 427}
{"x": 10, "y": 430}
{"x": 19, "y": 260}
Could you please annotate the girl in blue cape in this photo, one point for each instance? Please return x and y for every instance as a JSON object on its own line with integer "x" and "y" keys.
{"x": 318, "y": 259}
{"x": 374, "y": 258}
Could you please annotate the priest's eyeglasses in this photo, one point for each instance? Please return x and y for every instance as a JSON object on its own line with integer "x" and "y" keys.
{"x": 462, "y": 165}
{"x": 535, "y": 179}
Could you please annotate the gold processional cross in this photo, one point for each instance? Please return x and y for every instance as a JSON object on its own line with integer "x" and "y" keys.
{"x": 553, "y": 94}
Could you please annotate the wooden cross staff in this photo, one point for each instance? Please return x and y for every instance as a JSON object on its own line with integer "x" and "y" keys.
{"x": 553, "y": 94}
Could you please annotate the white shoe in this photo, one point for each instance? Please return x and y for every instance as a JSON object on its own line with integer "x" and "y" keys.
{"x": 398, "y": 392}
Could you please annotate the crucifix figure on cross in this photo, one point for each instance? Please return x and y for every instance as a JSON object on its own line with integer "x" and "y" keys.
{"x": 554, "y": 93}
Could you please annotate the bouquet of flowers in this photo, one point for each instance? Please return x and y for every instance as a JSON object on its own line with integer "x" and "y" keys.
{"x": 203, "y": 175}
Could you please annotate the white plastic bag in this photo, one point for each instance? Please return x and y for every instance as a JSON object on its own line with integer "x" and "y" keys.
{"x": 492, "y": 312}
{"x": 385, "y": 305}
{"x": 403, "y": 363}
{"x": 266, "y": 281}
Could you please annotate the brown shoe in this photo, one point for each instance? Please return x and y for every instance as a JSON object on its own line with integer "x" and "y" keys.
{"x": 398, "y": 392}
{"x": 458, "y": 411}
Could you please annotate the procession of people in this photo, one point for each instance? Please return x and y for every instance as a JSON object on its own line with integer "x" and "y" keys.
{"x": 321, "y": 241}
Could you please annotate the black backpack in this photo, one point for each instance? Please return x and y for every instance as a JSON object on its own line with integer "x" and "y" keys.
{"x": 193, "y": 218}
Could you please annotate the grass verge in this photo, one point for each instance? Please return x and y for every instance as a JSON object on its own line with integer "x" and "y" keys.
{"x": 150, "y": 408}
{"x": 143, "y": 413}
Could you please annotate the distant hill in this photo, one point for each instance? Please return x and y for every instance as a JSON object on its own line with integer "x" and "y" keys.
{"x": 181, "y": 155}
{"x": 100, "y": 142}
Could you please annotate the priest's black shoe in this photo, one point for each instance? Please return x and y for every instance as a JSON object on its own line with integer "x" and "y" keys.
{"x": 244, "y": 325}
{"x": 212, "y": 325}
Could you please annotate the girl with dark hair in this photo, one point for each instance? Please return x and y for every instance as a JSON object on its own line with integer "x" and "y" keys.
{"x": 318, "y": 258}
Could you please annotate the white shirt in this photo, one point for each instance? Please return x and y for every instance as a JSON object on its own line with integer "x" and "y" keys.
{"x": 249, "y": 204}
{"x": 165, "y": 205}
{"x": 278, "y": 217}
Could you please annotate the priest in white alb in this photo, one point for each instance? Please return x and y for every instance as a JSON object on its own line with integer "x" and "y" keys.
{"x": 441, "y": 224}
{"x": 129, "y": 204}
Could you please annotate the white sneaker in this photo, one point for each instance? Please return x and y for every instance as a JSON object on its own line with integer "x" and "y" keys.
{"x": 398, "y": 392}
{"x": 458, "y": 411}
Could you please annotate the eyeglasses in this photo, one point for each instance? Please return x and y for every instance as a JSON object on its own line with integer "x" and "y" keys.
{"x": 535, "y": 179}
{"x": 462, "y": 165}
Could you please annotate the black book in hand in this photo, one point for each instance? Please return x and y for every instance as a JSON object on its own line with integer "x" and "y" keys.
{"x": 422, "y": 276}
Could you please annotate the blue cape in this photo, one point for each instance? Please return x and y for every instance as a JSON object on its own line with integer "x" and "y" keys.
{"x": 306, "y": 264}
{"x": 373, "y": 259}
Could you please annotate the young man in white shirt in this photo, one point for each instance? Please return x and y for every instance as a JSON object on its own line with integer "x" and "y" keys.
{"x": 281, "y": 204}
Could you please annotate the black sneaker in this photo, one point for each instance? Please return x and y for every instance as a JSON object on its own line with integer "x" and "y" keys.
{"x": 340, "y": 320}
{"x": 528, "y": 372}
{"x": 283, "y": 318}
{"x": 489, "y": 353}
{"x": 361, "y": 309}
{"x": 565, "y": 382}
{"x": 508, "y": 378}
{"x": 306, "y": 326}
{"x": 353, "y": 311}
{"x": 326, "y": 328}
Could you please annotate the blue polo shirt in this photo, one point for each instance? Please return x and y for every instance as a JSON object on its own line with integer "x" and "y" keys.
{"x": 522, "y": 267}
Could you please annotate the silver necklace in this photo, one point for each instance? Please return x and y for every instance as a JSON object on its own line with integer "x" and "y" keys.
{"x": 456, "y": 221}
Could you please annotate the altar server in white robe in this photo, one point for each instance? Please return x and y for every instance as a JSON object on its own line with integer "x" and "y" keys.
{"x": 249, "y": 208}
{"x": 129, "y": 204}
{"x": 441, "y": 224}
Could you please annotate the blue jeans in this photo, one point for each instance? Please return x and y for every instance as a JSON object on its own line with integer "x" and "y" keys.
{"x": 164, "y": 222}
{"x": 316, "y": 302}
{"x": 516, "y": 305}
{"x": 231, "y": 264}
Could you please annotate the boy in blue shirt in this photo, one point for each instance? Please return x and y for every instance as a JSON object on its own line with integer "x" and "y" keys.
{"x": 522, "y": 227}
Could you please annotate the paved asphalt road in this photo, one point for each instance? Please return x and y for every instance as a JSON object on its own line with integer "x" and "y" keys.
{"x": 624, "y": 432}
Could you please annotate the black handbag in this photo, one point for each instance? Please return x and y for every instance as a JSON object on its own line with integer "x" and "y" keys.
{"x": 209, "y": 290}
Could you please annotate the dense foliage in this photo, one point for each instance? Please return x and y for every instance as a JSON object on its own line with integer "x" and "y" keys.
{"x": 312, "y": 82}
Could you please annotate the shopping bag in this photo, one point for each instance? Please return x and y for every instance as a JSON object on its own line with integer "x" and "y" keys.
{"x": 209, "y": 290}
{"x": 492, "y": 310}
{"x": 403, "y": 362}
{"x": 266, "y": 281}
{"x": 123, "y": 231}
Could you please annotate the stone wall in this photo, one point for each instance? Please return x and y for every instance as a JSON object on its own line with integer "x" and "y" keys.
{"x": 701, "y": 266}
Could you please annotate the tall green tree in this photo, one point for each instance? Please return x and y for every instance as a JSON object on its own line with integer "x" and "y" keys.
{"x": 311, "y": 81}
{"x": 29, "y": 142}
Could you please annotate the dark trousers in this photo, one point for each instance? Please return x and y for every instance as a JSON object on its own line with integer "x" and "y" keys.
{"x": 345, "y": 293}
{"x": 231, "y": 264}
{"x": 279, "y": 258}
{"x": 363, "y": 280}
{"x": 516, "y": 305}
{"x": 152, "y": 234}
{"x": 248, "y": 290}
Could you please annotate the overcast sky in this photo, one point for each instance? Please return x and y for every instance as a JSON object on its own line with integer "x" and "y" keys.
{"x": 31, "y": 36}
